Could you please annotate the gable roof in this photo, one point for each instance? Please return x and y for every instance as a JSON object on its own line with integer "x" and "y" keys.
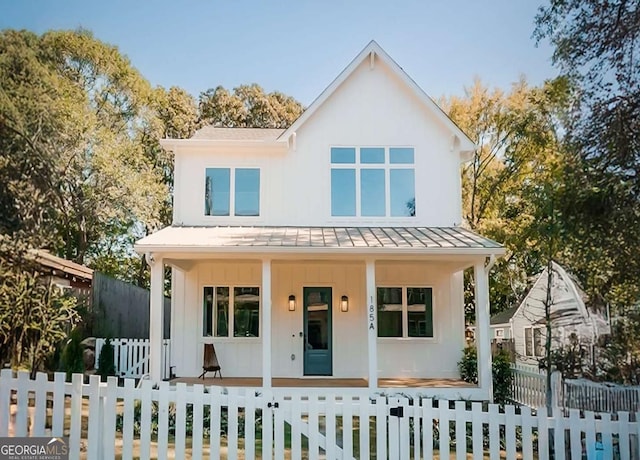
{"x": 575, "y": 310}
{"x": 375, "y": 51}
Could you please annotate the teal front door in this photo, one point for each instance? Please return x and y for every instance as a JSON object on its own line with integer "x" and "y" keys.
{"x": 317, "y": 331}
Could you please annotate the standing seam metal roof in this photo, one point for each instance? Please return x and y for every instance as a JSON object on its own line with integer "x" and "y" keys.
{"x": 320, "y": 237}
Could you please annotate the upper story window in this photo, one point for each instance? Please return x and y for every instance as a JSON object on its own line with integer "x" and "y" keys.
{"x": 227, "y": 186}
{"x": 373, "y": 182}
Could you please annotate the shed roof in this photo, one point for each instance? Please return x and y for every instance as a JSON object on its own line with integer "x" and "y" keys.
{"x": 46, "y": 259}
{"x": 329, "y": 239}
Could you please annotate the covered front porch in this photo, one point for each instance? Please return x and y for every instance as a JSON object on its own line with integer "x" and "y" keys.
{"x": 357, "y": 317}
{"x": 398, "y": 383}
{"x": 415, "y": 387}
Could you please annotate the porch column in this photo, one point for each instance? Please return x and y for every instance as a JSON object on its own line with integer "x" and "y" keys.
{"x": 156, "y": 317}
{"x": 266, "y": 323}
{"x": 372, "y": 324}
{"x": 483, "y": 336}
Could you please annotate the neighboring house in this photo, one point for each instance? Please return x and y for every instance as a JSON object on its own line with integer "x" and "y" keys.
{"x": 572, "y": 316}
{"x": 501, "y": 324}
{"x": 332, "y": 249}
{"x": 64, "y": 273}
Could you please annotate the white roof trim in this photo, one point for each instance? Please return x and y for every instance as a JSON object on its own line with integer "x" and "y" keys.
{"x": 466, "y": 144}
{"x": 261, "y": 145}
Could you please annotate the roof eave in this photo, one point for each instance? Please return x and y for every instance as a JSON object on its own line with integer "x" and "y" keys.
{"x": 179, "y": 144}
{"x": 145, "y": 248}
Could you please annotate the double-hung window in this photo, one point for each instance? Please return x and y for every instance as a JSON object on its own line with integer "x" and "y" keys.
{"x": 229, "y": 308}
{"x": 405, "y": 311}
{"x": 373, "y": 182}
{"x": 232, "y": 191}
{"x": 534, "y": 341}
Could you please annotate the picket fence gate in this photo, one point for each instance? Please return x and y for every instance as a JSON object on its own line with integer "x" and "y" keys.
{"x": 105, "y": 420}
{"x": 131, "y": 357}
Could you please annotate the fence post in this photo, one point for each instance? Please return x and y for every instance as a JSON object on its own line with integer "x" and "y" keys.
{"x": 557, "y": 401}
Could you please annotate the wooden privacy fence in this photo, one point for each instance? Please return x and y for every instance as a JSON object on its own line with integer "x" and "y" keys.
{"x": 107, "y": 421}
{"x": 131, "y": 357}
{"x": 600, "y": 397}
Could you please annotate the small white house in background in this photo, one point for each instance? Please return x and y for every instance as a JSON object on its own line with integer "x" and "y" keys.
{"x": 501, "y": 324}
{"x": 330, "y": 253}
{"x": 571, "y": 313}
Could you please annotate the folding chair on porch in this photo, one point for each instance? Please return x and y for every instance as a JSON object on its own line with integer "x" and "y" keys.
{"x": 210, "y": 362}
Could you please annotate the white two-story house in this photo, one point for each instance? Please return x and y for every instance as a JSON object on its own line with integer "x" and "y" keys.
{"x": 330, "y": 253}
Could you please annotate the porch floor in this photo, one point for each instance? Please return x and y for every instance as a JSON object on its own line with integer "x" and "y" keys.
{"x": 325, "y": 382}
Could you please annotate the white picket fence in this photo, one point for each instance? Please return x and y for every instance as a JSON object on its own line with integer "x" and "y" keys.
{"x": 529, "y": 386}
{"x": 105, "y": 421}
{"x": 131, "y": 356}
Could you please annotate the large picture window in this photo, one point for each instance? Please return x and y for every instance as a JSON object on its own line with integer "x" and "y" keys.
{"x": 373, "y": 182}
{"x": 227, "y": 186}
{"x": 229, "y": 309}
{"x": 405, "y": 312}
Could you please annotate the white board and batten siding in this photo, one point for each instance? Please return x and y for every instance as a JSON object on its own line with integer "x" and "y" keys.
{"x": 241, "y": 357}
{"x": 372, "y": 108}
{"x": 326, "y": 427}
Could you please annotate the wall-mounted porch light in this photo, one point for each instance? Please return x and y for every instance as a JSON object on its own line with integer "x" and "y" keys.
{"x": 292, "y": 302}
{"x": 344, "y": 303}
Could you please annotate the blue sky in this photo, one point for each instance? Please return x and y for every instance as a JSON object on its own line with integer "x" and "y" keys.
{"x": 299, "y": 46}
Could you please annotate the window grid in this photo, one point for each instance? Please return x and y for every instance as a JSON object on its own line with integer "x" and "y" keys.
{"x": 530, "y": 346}
{"x": 386, "y": 166}
{"x": 211, "y": 315}
{"x": 405, "y": 311}
{"x": 232, "y": 191}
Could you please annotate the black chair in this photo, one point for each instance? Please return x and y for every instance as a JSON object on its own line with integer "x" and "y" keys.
{"x": 210, "y": 362}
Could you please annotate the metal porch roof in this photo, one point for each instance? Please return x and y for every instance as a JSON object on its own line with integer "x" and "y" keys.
{"x": 320, "y": 239}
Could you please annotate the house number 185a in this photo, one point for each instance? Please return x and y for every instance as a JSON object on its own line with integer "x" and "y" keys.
{"x": 372, "y": 317}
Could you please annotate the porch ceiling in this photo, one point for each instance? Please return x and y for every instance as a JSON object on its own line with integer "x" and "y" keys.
{"x": 374, "y": 240}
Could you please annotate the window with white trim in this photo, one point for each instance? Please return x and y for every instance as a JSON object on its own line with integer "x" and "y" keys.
{"x": 228, "y": 308}
{"x": 534, "y": 341}
{"x": 405, "y": 311}
{"x": 235, "y": 194}
{"x": 373, "y": 182}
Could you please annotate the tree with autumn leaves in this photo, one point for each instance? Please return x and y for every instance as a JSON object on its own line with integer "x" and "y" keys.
{"x": 555, "y": 174}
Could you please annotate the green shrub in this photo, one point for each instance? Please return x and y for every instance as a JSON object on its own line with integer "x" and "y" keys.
{"x": 72, "y": 359}
{"x": 468, "y": 365}
{"x": 106, "y": 367}
{"x": 502, "y": 378}
{"x": 501, "y": 372}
